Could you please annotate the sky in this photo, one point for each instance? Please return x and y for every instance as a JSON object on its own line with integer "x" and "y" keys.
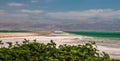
{"x": 60, "y": 10}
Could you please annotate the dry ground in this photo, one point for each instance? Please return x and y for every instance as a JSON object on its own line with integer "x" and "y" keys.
{"x": 4, "y": 35}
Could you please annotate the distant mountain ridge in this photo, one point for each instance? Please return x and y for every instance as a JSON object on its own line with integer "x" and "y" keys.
{"x": 96, "y": 25}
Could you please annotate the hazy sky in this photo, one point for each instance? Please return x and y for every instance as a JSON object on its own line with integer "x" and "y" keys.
{"x": 58, "y": 10}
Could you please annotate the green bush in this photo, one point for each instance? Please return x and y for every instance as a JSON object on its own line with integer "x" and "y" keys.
{"x": 33, "y": 51}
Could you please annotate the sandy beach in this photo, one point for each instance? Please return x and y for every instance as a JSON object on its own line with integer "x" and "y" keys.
{"x": 22, "y": 34}
{"x": 68, "y": 39}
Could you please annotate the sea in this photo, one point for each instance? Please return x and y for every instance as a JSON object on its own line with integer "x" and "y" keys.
{"x": 108, "y": 41}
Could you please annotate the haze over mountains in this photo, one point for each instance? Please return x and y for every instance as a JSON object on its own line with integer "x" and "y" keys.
{"x": 80, "y": 15}
{"x": 32, "y": 24}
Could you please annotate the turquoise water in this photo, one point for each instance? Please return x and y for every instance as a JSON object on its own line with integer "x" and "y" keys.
{"x": 97, "y": 34}
{"x": 14, "y": 31}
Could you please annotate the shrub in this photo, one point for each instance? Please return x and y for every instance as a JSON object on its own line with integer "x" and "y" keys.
{"x": 33, "y": 51}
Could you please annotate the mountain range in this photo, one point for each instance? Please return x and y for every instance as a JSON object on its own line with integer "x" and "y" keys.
{"x": 95, "y": 24}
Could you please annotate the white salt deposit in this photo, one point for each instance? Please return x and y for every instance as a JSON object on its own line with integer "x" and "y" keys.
{"x": 63, "y": 39}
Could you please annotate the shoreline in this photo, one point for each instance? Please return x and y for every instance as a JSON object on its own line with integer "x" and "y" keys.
{"x": 22, "y": 34}
{"x": 69, "y": 40}
{"x": 65, "y": 38}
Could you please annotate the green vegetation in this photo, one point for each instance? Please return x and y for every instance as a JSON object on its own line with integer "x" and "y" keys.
{"x": 33, "y": 51}
{"x": 97, "y": 34}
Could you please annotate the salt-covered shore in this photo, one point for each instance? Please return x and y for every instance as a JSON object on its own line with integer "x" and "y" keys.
{"x": 114, "y": 52}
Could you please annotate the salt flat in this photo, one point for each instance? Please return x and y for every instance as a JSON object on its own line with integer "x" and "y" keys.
{"x": 68, "y": 39}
